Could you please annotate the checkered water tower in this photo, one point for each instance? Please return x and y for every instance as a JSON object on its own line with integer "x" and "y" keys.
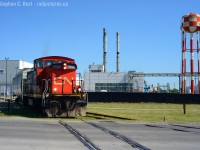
{"x": 190, "y": 24}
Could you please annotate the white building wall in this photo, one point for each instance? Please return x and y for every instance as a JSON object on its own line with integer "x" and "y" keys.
{"x": 13, "y": 67}
{"x": 90, "y": 78}
{"x": 23, "y": 64}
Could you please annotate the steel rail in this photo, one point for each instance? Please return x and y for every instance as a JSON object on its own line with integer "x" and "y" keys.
{"x": 174, "y": 128}
{"x": 119, "y": 136}
{"x": 109, "y": 116}
{"x": 81, "y": 137}
{"x": 184, "y": 126}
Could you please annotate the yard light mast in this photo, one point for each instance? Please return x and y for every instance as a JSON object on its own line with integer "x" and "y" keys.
{"x": 7, "y": 83}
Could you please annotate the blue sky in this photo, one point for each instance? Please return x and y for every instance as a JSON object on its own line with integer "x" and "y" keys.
{"x": 150, "y": 36}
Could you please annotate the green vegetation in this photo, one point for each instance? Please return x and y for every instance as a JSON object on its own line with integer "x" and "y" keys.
{"x": 174, "y": 91}
{"x": 153, "y": 112}
{"x": 148, "y": 111}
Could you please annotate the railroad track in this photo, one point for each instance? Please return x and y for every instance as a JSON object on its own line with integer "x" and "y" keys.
{"x": 119, "y": 136}
{"x": 92, "y": 146}
{"x": 83, "y": 138}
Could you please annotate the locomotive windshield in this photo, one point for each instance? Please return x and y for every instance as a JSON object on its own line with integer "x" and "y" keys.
{"x": 49, "y": 62}
{"x": 60, "y": 66}
{"x": 72, "y": 66}
{"x": 57, "y": 66}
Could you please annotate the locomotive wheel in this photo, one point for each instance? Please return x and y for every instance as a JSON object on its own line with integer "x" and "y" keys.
{"x": 53, "y": 110}
{"x": 80, "y": 111}
{"x": 54, "y": 107}
{"x": 76, "y": 109}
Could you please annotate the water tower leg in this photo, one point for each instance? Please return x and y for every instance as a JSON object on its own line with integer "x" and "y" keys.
{"x": 183, "y": 87}
{"x": 192, "y": 62}
{"x": 198, "y": 62}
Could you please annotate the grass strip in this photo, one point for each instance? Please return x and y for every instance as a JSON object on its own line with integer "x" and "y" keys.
{"x": 155, "y": 112}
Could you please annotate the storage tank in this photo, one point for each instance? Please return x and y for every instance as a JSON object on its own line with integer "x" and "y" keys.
{"x": 190, "y": 23}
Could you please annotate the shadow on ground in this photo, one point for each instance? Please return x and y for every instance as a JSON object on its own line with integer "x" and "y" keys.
{"x": 21, "y": 111}
{"x": 17, "y": 110}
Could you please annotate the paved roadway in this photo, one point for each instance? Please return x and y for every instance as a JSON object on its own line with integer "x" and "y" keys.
{"x": 33, "y": 134}
{"x": 160, "y": 136}
{"x": 47, "y": 134}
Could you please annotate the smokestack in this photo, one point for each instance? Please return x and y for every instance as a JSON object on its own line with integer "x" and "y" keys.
{"x": 104, "y": 49}
{"x": 118, "y": 49}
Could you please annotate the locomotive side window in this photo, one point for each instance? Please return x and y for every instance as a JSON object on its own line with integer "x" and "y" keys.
{"x": 40, "y": 64}
{"x": 49, "y": 62}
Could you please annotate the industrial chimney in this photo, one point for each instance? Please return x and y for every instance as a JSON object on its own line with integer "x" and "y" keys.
{"x": 104, "y": 49}
{"x": 118, "y": 49}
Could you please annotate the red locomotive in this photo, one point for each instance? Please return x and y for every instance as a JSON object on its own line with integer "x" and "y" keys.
{"x": 52, "y": 86}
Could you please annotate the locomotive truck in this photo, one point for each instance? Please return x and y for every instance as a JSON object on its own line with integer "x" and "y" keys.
{"x": 52, "y": 87}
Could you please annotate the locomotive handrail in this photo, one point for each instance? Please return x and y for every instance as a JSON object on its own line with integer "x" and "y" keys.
{"x": 44, "y": 92}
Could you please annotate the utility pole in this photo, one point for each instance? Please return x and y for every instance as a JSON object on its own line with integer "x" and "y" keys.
{"x": 7, "y": 84}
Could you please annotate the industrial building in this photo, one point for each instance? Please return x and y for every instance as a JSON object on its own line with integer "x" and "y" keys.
{"x": 112, "y": 82}
{"x": 8, "y": 70}
{"x": 98, "y": 79}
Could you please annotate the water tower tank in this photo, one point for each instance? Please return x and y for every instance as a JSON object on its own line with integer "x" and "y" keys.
{"x": 190, "y": 23}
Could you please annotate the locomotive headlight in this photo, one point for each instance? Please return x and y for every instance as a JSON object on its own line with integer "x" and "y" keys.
{"x": 64, "y": 66}
{"x": 79, "y": 89}
{"x": 54, "y": 90}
